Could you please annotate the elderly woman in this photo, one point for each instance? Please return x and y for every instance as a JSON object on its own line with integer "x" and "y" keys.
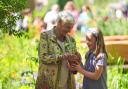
{"x": 57, "y": 49}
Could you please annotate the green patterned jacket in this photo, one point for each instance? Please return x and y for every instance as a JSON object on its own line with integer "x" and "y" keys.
{"x": 50, "y": 65}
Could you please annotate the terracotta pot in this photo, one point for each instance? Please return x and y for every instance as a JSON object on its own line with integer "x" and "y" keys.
{"x": 117, "y": 45}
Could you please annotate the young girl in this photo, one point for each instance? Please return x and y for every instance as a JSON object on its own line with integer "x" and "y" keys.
{"x": 94, "y": 71}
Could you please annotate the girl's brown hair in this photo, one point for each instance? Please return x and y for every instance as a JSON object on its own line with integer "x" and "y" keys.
{"x": 100, "y": 44}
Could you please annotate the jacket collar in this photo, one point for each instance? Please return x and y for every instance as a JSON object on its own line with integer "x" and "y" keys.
{"x": 53, "y": 38}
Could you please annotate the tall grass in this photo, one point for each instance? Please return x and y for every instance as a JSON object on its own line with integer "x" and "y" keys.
{"x": 18, "y": 58}
{"x": 117, "y": 78}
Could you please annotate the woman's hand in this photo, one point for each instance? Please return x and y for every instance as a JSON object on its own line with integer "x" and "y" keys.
{"x": 71, "y": 68}
{"x": 71, "y": 57}
{"x": 65, "y": 56}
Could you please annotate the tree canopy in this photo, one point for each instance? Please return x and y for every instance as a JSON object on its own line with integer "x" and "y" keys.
{"x": 9, "y": 10}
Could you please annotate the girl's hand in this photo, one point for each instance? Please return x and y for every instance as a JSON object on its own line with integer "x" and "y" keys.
{"x": 77, "y": 67}
{"x": 71, "y": 68}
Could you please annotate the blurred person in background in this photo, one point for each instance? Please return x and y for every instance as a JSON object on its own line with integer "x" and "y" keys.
{"x": 85, "y": 16}
{"x": 51, "y": 16}
{"x": 39, "y": 26}
{"x": 27, "y": 14}
{"x": 71, "y": 8}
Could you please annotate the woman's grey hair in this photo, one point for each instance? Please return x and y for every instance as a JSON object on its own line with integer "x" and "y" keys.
{"x": 65, "y": 17}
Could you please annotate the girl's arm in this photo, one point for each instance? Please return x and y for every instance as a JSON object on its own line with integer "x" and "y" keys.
{"x": 92, "y": 75}
{"x": 98, "y": 69}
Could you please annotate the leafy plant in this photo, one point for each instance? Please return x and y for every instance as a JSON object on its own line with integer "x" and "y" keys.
{"x": 9, "y": 13}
